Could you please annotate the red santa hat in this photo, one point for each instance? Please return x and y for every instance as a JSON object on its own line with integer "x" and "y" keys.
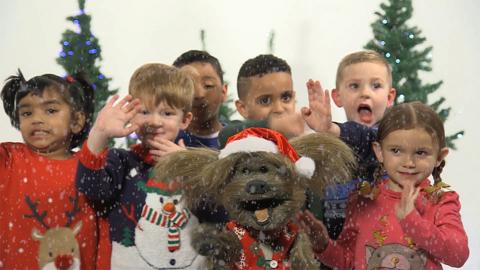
{"x": 267, "y": 140}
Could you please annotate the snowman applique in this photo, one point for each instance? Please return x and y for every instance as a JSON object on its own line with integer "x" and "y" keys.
{"x": 162, "y": 235}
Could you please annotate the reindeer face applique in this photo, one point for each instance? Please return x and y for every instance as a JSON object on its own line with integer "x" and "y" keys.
{"x": 394, "y": 256}
{"x": 58, "y": 247}
{"x": 261, "y": 179}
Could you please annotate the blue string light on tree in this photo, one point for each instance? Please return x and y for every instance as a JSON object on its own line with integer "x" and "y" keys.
{"x": 406, "y": 59}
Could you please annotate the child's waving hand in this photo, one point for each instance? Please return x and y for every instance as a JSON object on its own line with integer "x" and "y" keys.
{"x": 318, "y": 115}
{"x": 113, "y": 121}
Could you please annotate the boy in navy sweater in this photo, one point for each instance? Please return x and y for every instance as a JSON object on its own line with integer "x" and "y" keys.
{"x": 148, "y": 225}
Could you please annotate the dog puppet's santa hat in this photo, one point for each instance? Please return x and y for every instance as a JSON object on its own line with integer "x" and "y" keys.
{"x": 267, "y": 140}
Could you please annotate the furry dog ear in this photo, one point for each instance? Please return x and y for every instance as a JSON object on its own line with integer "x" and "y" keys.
{"x": 187, "y": 166}
{"x": 334, "y": 160}
{"x": 217, "y": 173}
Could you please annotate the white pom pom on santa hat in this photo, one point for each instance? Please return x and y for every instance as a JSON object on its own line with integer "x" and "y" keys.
{"x": 267, "y": 140}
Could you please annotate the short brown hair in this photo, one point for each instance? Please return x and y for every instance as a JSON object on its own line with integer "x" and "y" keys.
{"x": 361, "y": 57}
{"x": 259, "y": 66}
{"x": 159, "y": 82}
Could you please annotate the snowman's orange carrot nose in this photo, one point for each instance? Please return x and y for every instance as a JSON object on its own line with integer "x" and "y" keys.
{"x": 169, "y": 207}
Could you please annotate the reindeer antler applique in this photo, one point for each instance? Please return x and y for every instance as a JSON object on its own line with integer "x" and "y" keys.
{"x": 58, "y": 248}
{"x": 35, "y": 214}
{"x": 75, "y": 209}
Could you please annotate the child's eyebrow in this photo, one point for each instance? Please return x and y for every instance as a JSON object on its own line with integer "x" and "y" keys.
{"x": 22, "y": 106}
{"x": 206, "y": 77}
{"x": 424, "y": 148}
{"x": 51, "y": 102}
{"x": 44, "y": 103}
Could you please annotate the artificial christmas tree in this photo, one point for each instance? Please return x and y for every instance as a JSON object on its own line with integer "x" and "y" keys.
{"x": 81, "y": 52}
{"x": 398, "y": 42}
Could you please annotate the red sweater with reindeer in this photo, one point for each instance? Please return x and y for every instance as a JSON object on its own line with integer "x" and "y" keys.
{"x": 373, "y": 237}
{"x": 44, "y": 222}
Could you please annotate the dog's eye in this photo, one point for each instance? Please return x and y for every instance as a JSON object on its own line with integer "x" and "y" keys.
{"x": 245, "y": 170}
{"x": 263, "y": 169}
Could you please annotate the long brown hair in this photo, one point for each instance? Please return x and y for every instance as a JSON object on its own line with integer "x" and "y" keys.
{"x": 414, "y": 115}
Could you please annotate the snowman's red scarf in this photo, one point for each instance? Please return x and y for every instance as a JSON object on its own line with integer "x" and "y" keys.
{"x": 174, "y": 222}
{"x": 252, "y": 257}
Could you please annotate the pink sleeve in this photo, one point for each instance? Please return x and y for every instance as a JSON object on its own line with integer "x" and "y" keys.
{"x": 445, "y": 239}
{"x": 340, "y": 253}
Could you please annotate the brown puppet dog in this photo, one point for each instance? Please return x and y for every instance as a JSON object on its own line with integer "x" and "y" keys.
{"x": 261, "y": 181}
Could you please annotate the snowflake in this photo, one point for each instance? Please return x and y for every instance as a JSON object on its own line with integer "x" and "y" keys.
{"x": 133, "y": 172}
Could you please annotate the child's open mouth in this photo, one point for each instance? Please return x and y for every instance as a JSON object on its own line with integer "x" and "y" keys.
{"x": 39, "y": 133}
{"x": 365, "y": 113}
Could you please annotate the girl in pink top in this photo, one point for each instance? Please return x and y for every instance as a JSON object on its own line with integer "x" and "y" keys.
{"x": 403, "y": 222}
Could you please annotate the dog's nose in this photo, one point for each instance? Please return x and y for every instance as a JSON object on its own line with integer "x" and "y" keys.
{"x": 257, "y": 187}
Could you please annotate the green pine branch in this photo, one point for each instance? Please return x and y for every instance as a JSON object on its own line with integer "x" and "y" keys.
{"x": 397, "y": 41}
{"x": 81, "y": 51}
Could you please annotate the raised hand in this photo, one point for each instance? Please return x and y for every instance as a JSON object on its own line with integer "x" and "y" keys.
{"x": 113, "y": 121}
{"x": 318, "y": 115}
{"x": 407, "y": 201}
{"x": 289, "y": 124}
{"x": 160, "y": 147}
{"x": 315, "y": 229}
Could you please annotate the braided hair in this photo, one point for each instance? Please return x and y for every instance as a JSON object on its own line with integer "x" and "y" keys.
{"x": 415, "y": 115}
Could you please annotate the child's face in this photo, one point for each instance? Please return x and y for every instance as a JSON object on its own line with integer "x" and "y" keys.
{"x": 364, "y": 92}
{"x": 160, "y": 122}
{"x": 409, "y": 155}
{"x": 269, "y": 94}
{"x": 46, "y": 123}
{"x": 210, "y": 93}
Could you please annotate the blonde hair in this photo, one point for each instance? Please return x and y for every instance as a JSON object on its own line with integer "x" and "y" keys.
{"x": 162, "y": 83}
{"x": 362, "y": 57}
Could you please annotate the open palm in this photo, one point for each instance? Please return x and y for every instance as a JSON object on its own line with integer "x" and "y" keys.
{"x": 114, "y": 120}
{"x": 318, "y": 115}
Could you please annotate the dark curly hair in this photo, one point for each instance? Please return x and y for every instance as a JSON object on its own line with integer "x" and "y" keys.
{"x": 76, "y": 90}
{"x": 259, "y": 66}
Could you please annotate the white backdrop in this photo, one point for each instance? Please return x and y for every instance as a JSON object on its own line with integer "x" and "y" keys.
{"x": 311, "y": 35}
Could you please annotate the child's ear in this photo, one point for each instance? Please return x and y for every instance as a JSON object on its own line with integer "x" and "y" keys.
{"x": 377, "y": 148}
{"x": 224, "y": 92}
{"x": 392, "y": 94}
{"x": 78, "y": 122}
{"x": 441, "y": 155}
{"x": 241, "y": 108}
{"x": 336, "y": 98}
{"x": 187, "y": 118}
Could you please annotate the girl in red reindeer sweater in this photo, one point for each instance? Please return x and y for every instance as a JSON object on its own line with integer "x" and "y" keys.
{"x": 44, "y": 222}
